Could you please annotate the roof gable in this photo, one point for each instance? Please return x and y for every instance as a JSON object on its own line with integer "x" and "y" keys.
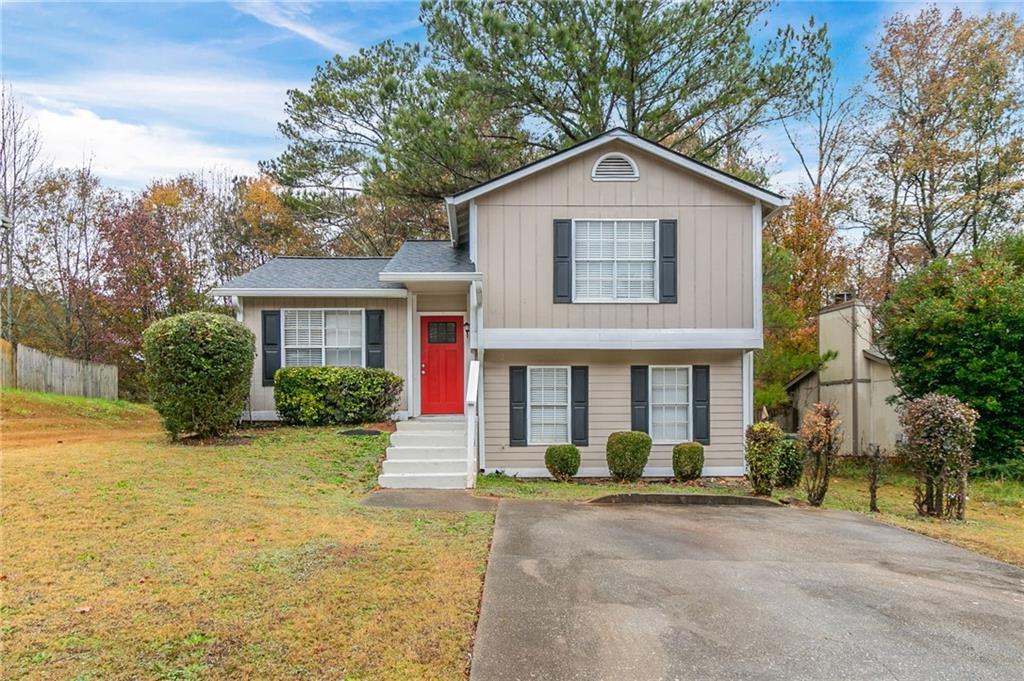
{"x": 626, "y": 138}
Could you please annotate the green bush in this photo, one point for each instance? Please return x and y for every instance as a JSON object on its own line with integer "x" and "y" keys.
{"x": 791, "y": 463}
{"x": 687, "y": 461}
{"x": 764, "y": 440}
{"x": 562, "y": 461}
{"x": 957, "y": 328}
{"x": 627, "y": 453}
{"x": 198, "y": 367}
{"x": 321, "y": 396}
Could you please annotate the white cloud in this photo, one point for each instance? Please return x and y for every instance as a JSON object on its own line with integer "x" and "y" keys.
{"x": 212, "y": 100}
{"x": 294, "y": 17}
{"x": 127, "y": 154}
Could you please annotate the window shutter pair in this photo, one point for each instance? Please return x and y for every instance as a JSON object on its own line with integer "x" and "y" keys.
{"x": 700, "y": 394}
{"x": 667, "y": 262}
{"x": 579, "y": 410}
{"x": 271, "y": 327}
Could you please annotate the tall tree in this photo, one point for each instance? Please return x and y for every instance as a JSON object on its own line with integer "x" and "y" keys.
{"x": 19, "y": 167}
{"x": 690, "y": 75}
{"x": 60, "y": 257}
{"x": 947, "y": 145}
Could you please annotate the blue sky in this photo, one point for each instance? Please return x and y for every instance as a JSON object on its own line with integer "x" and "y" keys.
{"x": 149, "y": 89}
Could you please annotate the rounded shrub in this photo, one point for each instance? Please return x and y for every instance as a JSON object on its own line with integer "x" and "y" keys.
{"x": 562, "y": 461}
{"x": 323, "y": 396}
{"x": 791, "y": 463}
{"x": 687, "y": 461}
{"x": 198, "y": 367}
{"x": 627, "y": 453}
{"x": 763, "y": 444}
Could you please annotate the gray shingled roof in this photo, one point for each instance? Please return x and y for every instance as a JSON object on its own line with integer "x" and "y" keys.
{"x": 313, "y": 273}
{"x": 429, "y": 256}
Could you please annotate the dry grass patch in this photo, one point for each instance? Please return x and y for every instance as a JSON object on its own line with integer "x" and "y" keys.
{"x": 130, "y": 557}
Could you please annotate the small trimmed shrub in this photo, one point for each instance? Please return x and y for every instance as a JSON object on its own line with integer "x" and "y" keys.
{"x": 820, "y": 439}
{"x": 562, "y": 461}
{"x": 687, "y": 461}
{"x": 198, "y": 367}
{"x": 324, "y": 396}
{"x": 763, "y": 444}
{"x": 938, "y": 433}
{"x": 627, "y": 453}
{"x": 791, "y": 463}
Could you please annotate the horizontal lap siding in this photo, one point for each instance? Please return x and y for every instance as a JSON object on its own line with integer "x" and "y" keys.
{"x": 262, "y": 398}
{"x": 609, "y": 403}
{"x": 715, "y": 246}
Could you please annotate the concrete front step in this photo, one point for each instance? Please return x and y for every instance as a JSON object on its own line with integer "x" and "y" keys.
{"x": 426, "y": 453}
{"x": 423, "y": 481}
{"x": 407, "y": 466}
{"x": 428, "y": 439}
{"x": 432, "y": 426}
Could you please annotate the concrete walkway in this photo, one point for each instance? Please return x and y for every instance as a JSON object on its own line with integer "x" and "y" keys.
{"x": 456, "y": 501}
{"x": 702, "y": 592}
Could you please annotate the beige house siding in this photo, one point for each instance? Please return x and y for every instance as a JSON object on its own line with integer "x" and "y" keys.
{"x": 609, "y": 404}
{"x": 262, "y": 398}
{"x": 715, "y": 246}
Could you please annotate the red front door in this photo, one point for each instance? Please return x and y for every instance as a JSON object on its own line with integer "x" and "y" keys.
{"x": 441, "y": 362}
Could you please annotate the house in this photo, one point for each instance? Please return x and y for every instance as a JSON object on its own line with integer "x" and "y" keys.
{"x": 613, "y": 285}
{"x": 858, "y": 379}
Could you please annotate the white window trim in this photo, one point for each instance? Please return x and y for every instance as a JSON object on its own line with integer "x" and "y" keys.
{"x": 619, "y": 301}
{"x": 568, "y": 405}
{"x": 689, "y": 405}
{"x": 323, "y": 348}
{"x": 636, "y": 170}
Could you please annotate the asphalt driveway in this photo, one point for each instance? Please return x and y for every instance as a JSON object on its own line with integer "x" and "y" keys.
{"x": 698, "y": 592}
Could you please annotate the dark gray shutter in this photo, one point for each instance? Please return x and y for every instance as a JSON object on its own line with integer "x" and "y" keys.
{"x": 563, "y": 261}
{"x": 271, "y": 324}
{"x": 375, "y": 339}
{"x": 517, "y": 406}
{"x": 702, "y": 404}
{"x": 580, "y": 415}
{"x": 668, "y": 263}
{"x": 638, "y": 400}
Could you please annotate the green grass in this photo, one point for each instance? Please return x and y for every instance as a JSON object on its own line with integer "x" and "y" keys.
{"x": 28, "y": 404}
{"x": 127, "y": 556}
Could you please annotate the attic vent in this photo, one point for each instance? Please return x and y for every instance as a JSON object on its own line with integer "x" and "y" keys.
{"x": 615, "y": 168}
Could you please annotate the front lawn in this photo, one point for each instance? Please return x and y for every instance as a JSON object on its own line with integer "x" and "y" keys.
{"x": 125, "y": 556}
{"x": 497, "y": 485}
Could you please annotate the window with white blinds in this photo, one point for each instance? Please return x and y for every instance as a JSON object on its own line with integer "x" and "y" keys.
{"x": 670, "y": 404}
{"x": 323, "y": 338}
{"x": 547, "y": 393}
{"x": 614, "y": 260}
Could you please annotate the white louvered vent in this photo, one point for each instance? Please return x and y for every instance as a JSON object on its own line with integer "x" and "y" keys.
{"x": 615, "y": 168}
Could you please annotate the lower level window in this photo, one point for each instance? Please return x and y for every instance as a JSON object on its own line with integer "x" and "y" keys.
{"x": 548, "y": 398}
{"x": 670, "y": 404}
{"x": 323, "y": 338}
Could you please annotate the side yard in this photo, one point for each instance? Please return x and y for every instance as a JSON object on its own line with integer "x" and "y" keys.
{"x": 125, "y": 556}
{"x": 995, "y": 515}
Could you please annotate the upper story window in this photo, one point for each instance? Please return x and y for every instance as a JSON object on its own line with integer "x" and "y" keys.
{"x": 614, "y": 260}
{"x": 615, "y": 167}
{"x": 323, "y": 338}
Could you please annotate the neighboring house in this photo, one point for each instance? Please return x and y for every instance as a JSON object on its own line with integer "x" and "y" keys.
{"x": 860, "y": 388}
{"x": 611, "y": 286}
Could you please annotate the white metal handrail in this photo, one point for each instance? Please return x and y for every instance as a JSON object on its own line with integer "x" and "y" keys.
{"x": 472, "y": 393}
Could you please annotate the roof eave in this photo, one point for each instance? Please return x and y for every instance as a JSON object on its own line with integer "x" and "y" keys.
{"x": 430, "y": 276}
{"x": 310, "y": 292}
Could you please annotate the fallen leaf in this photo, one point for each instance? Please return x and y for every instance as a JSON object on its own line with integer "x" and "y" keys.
{"x": 83, "y": 609}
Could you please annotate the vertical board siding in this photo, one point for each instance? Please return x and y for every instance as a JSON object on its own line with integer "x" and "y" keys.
{"x": 262, "y": 398}
{"x": 32, "y": 369}
{"x": 609, "y": 403}
{"x": 515, "y": 249}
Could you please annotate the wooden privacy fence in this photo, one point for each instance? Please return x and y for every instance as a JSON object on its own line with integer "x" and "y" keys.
{"x": 30, "y": 369}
